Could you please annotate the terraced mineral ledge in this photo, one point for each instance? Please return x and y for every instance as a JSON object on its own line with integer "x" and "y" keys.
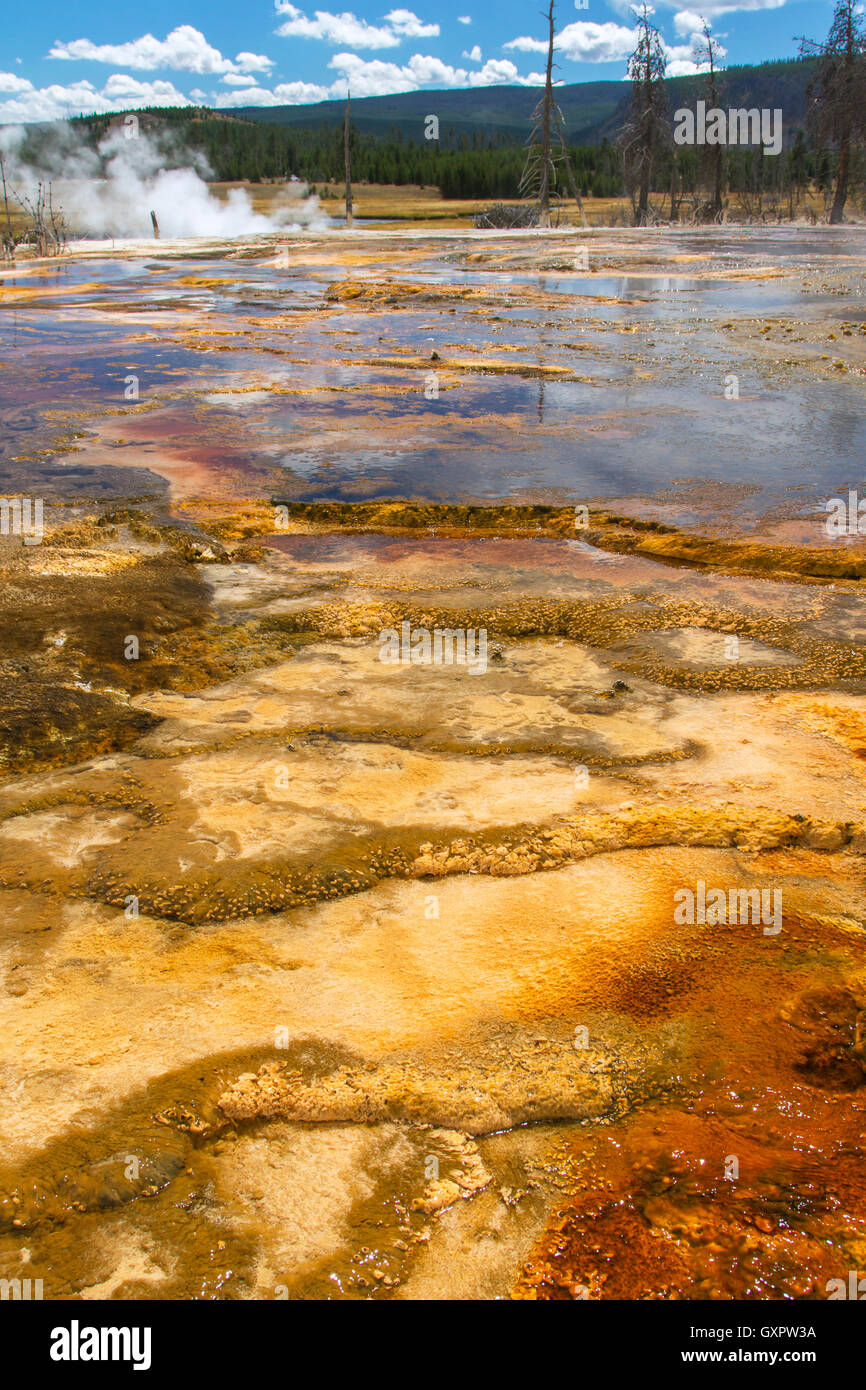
{"x": 332, "y": 972}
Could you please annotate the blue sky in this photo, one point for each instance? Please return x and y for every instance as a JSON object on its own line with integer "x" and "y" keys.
{"x": 58, "y": 61}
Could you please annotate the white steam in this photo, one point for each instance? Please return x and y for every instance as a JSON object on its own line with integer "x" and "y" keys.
{"x": 111, "y": 191}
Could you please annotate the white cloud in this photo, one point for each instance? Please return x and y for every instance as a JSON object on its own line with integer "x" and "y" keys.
{"x": 54, "y": 103}
{"x": 684, "y": 67}
{"x": 584, "y": 42}
{"x": 121, "y": 87}
{"x": 238, "y": 79}
{"x": 709, "y": 8}
{"x": 286, "y": 94}
{"x": 250, "y": 96}
{"x": 527, "y": 45}
{"x": 497, "y": 71}
{"x": 425, "y": 68}
{"x": 375, "y": 77}
{"x": 10, "y": 83}
{"x": 185, "y": 48}
{"x": 410, "y": 26}
{"x": 688, "y": 22}
{"x": 684, "y": 60}
{"x": 464, "y": 19}
{"x": 474, "y": 54}
{"x": 372, "y": 77}
{"x": 347, "y": 28}
{"x": 253, "y": 62}
{"x": 587, "y": 42}
{"x": 301, "y": 92}
{"x": 335, "y": 28}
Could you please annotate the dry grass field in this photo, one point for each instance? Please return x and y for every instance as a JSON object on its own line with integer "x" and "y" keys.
{"x": 425, "y": 206}
{"x": 381, "y": 204}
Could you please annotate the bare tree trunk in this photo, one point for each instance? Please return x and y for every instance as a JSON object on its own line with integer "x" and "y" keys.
{"x": 575, "y": 193}
{"x": 717, "y": 152}
{"x": 675, "y": 207}
{"x": 643, "y": 196}
{"x": 717, "y": 187}
{"x": 155, "y": 225}
{"x": 11, "y": 241}
{"x": 57, "y": 231}
{"x": 646, "y": 166}
{"x": 842, "y": 178}
{"x": 349, "y": 210}
{"x": 837, "y": 97}
{"x": 544, "y": 189}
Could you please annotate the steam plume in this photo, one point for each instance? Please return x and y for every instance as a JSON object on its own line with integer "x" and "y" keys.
{"x": 110, "y": 190}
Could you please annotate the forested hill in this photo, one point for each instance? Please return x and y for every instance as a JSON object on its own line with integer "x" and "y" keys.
{"x": 591, "y": 110}
{"x": 481, "y": 150}
{"x": 585, "y": 107}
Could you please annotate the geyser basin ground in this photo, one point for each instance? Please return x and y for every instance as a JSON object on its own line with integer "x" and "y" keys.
{"x": 327, "y": 976}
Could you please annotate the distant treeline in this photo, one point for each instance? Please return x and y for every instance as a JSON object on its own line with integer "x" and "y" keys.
{"x": 476, "y": 166}
{"x": 460, "y": 165}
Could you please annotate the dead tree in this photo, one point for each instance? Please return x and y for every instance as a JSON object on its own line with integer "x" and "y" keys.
{"x": 507, "y": 215}
{"x": 644, "y": 132}
{"x": 715, "y": 154}
{"x": 47, "y": 230}
{"x": 349, "y": 211}
{"x": 836, "y": 96}
{"x": 569, "y": 172}
{"x": 538, "y": 179}
{"x": 8, "y": 237}
{"x": 56, "y": 221}
{"x": 538, "y": 173}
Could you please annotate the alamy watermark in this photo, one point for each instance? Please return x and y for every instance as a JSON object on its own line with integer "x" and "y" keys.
{"x": 22, "y": 516}
{"x": 77, "y": 1343}
{"x": 734, "y": 907}
{"x": 20, "y": 1290}
{"x": 442, "y": 647}
{"x": 734, "y": 127}
{"x": 855, "y": 1288}
{"x": 845, "y": 518}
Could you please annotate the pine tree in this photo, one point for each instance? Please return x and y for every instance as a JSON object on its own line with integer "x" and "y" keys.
{"x": 644, "y": 131}
{"x": 348, "y": 163}
{"x": 837, "y": 95}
